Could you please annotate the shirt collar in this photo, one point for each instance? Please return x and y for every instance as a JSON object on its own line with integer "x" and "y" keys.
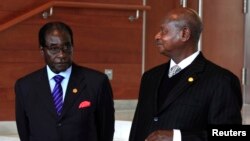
{"x": 65, "y": 74}
{"x": 185, "y": 62}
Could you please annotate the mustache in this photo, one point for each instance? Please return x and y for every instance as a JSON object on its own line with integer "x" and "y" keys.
{"x": 62, "y": 60}
{"x": 158, "y": 42}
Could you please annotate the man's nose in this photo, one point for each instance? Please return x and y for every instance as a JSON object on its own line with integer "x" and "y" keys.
{"x": 158, "y": 35}
{"x": 61, "y": 53}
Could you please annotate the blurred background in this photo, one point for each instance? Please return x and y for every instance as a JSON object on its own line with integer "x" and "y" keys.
{"x": 117, "y": 38}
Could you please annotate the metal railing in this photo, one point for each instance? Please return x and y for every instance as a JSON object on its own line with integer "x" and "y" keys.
{"x": 69, "y": 4}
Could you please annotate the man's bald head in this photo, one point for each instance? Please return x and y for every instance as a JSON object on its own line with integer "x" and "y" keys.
{"x": 186, "y": 18}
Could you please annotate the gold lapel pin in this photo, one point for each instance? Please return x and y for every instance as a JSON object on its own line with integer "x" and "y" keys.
{"x": 190, "y": 79}
{"x": 75, "y": 90}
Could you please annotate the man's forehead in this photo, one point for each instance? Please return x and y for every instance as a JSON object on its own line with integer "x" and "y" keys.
{"x": 168, "y": 23}
{"x": 57, "y": 37}
{"x": 56, "y": 32}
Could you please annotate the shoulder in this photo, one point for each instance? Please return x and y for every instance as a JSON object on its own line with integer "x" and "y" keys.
{"x": 218, "y": 75}
{"x": 219, "y": 71}
{"x": 156, "y": 70}
{"x": 33, "y": 75}
{"x": 88, "y": 73}
{"x": 31, "y": 80}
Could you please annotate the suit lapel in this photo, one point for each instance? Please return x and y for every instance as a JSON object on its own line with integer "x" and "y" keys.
{"x": 75, "y": 86}
{"x": 44, "y": 92}
{"x": 160, "y": 74}
{"x": 188, "y": 78}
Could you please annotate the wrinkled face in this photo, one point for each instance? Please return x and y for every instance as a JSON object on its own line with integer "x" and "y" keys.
{"x": 168, "y": 39}
{"x": 58, "y": 50}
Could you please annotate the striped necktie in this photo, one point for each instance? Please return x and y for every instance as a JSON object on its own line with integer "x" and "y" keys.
{"x": 57, "y": 94}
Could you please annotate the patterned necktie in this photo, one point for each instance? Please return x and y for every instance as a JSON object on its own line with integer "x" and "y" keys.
{"x": 174, "y": 70}
{"x": 58, "y": 94}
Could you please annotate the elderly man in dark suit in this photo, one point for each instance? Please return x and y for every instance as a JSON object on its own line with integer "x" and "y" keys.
{"x": 63, "y": 101}
{"x": 188, "y": 93}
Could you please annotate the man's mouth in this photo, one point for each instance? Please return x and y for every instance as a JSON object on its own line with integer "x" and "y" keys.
{"x": 61, "y": 63}
{"x": 158, "y": 43}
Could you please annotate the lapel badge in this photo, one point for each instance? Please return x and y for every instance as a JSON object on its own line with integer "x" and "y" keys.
{"x": 75, "y": 90}
{"x": 190, "y": 79}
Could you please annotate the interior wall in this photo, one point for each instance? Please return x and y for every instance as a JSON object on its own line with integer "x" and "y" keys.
{"x": 222, "y": 37}
{"x": 103, "y": 39}
{"x": 153, "y": 22}
{"x": 106, "y": 39}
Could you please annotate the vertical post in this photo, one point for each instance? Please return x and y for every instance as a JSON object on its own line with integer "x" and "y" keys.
{"x": 183, "y": 3}
{"x": 143, "y": 38}
{"x": 200, "y": 10}
{"x": 245, "y": 6}
{"x": 246, "y": 64}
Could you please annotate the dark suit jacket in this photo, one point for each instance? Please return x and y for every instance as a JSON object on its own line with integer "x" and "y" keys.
{"x": 213, "y": 97}
{"x": 36, "y": 116}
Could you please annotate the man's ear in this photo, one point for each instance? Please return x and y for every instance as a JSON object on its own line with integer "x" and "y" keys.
{"x": 185, "y": 34}
{"x": 41, "y": 51}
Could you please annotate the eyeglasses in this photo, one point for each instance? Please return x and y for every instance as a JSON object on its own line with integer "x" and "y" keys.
{"x": 54, "y": 49}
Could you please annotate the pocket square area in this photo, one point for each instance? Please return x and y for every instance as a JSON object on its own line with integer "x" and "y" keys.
{"x": 84, "y": 104}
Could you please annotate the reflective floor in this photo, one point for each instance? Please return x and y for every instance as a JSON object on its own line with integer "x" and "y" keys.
{"x": 124, "y": 112}
{"x": 124, "y": 115}
{"x": 246, "y": 114}
{"x": 8, "y": 131}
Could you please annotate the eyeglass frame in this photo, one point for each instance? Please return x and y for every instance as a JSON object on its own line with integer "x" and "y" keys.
{"x": 55, "y": 49}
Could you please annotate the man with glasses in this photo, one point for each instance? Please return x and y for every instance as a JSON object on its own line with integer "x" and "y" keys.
{"x": 63, "y": 101}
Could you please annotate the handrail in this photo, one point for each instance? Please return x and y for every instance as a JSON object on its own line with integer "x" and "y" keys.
{"x": 100, "y": 5}
{"x": 69, "y": 4}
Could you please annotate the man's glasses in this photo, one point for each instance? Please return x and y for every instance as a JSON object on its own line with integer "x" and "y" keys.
{"x": 54, "y": 49}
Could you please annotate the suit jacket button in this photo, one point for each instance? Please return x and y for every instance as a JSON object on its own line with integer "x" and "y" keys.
{"x": 59, "y": 124}
{"x": 156, "y": 119}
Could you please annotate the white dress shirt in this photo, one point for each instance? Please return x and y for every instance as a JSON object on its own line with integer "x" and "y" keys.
{"x": 187, "y": 61}
{"x": 64, "y": 83}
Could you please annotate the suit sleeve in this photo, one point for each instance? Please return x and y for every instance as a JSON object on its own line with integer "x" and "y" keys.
{"x": 226, "y": 103}
{"x": 21, "y": 118}
{"x": 105, "y": 112}
{"x": 134, "y": 130}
